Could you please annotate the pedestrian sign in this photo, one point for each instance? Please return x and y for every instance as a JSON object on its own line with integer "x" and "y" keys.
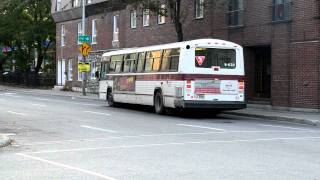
{"x": 84, "y": 39}
{"x": 85, "y": 49}
{"x": 83, "y": 67}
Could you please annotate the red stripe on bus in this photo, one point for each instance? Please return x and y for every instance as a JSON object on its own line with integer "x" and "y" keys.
{"x": 178, "y": 77}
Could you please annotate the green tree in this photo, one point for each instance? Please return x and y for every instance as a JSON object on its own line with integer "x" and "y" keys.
{"x": 25, "y": 25}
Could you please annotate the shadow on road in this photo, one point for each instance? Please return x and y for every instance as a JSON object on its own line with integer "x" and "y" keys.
{"x": 201, "y": 114}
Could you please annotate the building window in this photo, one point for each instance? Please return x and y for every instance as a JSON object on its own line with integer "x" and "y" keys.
{"x": 63, "y": 35}
{"x": 80, "y": 31}
{"x": 76, "y": 3}
{"x": 281, "y": 10}
{"x": 133, "y": 19}
{"x": 94, "y": 31}
{"x": 70, "y": 67}
{"x": 58, "y": 7}
{"x": 235, "y": 14}
{"x": 146, "y": 17}
{"x": 161, "y": 14}
{"x": 115, "y": 28}
{"x": 199, "y": 10}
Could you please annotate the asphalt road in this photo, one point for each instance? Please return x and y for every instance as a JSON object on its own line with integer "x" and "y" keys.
{"x": 69, "y": 138}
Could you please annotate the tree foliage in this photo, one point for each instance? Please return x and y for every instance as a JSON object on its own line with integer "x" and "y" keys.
{"x": 26, "y": 25}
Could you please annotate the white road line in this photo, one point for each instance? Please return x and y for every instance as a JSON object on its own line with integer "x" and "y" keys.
{"x": 286, "y": 127}
{"x": 202, "y": 127}
{"x": 10, "y": 95}
{"x": 40, "y": 105}
{"x": 92, "y": 112}
{"x": 177, "y": 144}
{"x": 16, "y": 113}
{"x": 99, "y": 129}
{"x": 67, "y": 166}
{"x": 42, "y": 99}
{"x": 156, "y": 135}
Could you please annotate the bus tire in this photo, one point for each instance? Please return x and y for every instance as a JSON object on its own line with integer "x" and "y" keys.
{"x": 158, "y": 103}
{"x": 110, "y": 101}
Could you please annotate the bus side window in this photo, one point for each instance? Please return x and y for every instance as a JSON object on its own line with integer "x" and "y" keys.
{"x": 156, "y": 60}
{"x": 129, "y": 62}
{"x": 141, "y": 61}
{"x": 170, "y": 61}
{"x": 116, "y": 63}
{"x": 174, "y": 61}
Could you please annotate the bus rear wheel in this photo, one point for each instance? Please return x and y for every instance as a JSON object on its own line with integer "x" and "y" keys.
{"x": 158, "y": 103}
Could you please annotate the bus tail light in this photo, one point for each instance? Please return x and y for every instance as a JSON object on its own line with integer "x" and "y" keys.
{"x": 189, "y": 84}
{"x": 241, "y": 86}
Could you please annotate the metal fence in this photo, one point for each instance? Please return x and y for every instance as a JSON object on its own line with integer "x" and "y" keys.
{"x": 28, "y": 79}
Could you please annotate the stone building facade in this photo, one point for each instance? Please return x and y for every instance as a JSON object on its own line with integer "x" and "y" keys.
{"x": 281, "y": 39}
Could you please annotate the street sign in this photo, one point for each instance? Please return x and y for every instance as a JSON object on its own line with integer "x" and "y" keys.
{"x": 85, "y": 49}
{"x": 84, "y": 39}
{"x": 84, "y": 67}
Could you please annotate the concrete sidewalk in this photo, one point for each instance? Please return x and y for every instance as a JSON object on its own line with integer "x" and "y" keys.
{"x": 254, "y": 111}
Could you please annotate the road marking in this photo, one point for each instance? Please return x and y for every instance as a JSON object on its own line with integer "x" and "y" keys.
{"x": 92, "y": 112}
{"x": 175, "y": 143}
{"x": 9, "y": 134}
{"x": 40, "y": 105}
{"x": 16, "y": 113}
{"x": 155, "y": 135}
{"x": 99, "y": 129}
{"x": 202, "y": 127}
{"x": 42, "y": 99}
{"x": 286, "y": 127}
{"x": 11, "y": 95}
{"x": 67, "y": 166}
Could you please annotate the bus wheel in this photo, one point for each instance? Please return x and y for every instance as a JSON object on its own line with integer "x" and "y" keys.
{"x": 158, "y": 103}
{"x": 110, "y": 98}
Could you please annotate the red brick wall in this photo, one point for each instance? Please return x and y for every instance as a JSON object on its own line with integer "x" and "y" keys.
{"x": 294, "y": 46}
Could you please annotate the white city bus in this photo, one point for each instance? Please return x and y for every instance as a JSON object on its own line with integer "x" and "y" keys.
{"x": 204, "y": 73}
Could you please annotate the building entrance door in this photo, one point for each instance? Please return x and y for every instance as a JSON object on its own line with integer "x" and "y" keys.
{"x": 61, "y": 72}
{"x": 262, "y": 73}
{"x": 258, "y": 74}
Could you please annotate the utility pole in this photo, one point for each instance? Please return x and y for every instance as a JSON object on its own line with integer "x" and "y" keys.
{"x": 84, "y": 74}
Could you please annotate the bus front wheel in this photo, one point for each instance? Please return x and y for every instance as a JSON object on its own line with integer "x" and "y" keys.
{"x": 158, "y": 103}
{"x": 110, "y": 98}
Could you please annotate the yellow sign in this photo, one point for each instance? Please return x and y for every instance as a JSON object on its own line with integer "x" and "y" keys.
{"x": 84, "y": 67}
{"x": 85, "y": 49}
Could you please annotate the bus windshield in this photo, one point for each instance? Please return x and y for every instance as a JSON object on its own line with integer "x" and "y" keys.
{"x": 210, "y": 57}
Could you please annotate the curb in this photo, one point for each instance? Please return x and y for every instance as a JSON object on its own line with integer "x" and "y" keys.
{"x": 4, "y": 141}
{"x": 65, "y": 95}
{"x": 278, "y": 118}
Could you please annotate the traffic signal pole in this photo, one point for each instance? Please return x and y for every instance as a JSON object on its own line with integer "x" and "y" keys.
{"x": 84, "y": 74}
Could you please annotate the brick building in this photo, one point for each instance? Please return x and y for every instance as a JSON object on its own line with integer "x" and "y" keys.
{"x": 281, "y": 39}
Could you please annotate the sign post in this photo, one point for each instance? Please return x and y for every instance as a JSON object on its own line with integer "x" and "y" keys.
{"x": 84, "y": 74}
{"x": 84, "y": 50}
